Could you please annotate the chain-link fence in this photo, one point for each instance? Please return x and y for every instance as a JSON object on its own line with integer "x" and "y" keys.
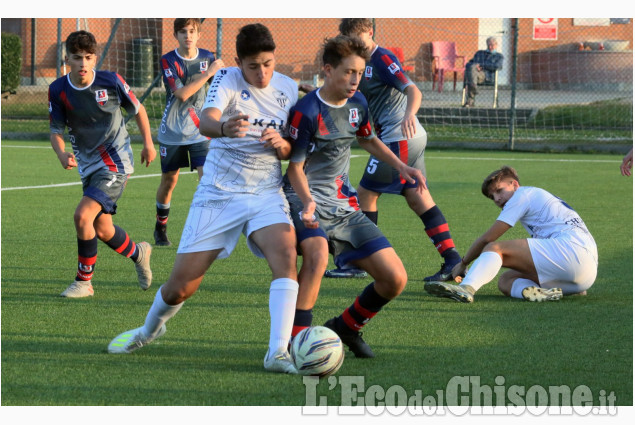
{"x": 563, "y": 82}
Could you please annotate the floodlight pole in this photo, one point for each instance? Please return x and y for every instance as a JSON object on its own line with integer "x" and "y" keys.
{"x": 512, "y": 110}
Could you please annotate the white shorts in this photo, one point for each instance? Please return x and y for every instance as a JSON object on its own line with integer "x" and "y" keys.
{"x": 216, "y": 222}
{"x": 567, "y": 262}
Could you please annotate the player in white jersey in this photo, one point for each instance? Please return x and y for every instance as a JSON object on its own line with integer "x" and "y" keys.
{"x": 560, "y": 258}
{"x": 245, "y": 114}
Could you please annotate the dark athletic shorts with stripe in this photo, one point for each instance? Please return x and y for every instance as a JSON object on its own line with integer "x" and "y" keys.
{"x": 174, "y": 157}
{"x": 350, "y": 236}
{"x": 105, "y": 187}
{"x": 382, "y": 178}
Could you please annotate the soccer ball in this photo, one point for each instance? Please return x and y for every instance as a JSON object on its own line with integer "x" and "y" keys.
{"x": 317, "y": 351}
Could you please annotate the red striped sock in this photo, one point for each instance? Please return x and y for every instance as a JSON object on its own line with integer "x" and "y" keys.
{"x": 365, "y": 307}
{"x": 86, "y": 258}
{"x": 122, "y": 244}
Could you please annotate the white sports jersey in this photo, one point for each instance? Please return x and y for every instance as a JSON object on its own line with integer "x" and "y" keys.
{"x": 242, "y": 164}
{"x": 543, "y": 215}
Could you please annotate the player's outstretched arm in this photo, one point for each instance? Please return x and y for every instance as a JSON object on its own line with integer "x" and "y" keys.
{"x": 379, "y": 150}
{"x": 492, "y": 234}
{"x": 148, "y": 152}
{"x": 67, "y": 159}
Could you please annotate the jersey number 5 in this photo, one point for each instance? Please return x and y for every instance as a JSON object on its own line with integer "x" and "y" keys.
{"x": 372, "y": 166}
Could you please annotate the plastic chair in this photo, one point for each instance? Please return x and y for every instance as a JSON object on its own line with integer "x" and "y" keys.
{"x": 493, "y": 84}
{"x": 398, "y": 51}
{"x": 444, "y": 58}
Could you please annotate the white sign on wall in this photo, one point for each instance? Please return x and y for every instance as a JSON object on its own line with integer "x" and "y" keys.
{"x": 545, "y": 29}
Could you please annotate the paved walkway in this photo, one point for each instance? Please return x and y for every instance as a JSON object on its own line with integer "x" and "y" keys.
{"x": 524, "y": 98}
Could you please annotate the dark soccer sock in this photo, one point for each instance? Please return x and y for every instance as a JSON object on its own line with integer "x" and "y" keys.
{"x": 86, "y": 258}
{"x": 437, "y": 229}
{"x": 372, "y": 215}
{"x": 122, "y": 244}
{"x": 301, "y": 321}
{"x": 365, "y": 307}
{"x": 163, "y": 211}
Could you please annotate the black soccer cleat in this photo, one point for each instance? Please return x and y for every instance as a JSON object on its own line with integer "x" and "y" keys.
{"x": 352, "y": 339}
{"x": 161, "y": 238}
{"x": 445, "y": 274}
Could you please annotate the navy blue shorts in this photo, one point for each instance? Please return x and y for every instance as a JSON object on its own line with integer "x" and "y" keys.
{"x": 382, "y": 178}
{"x": 174, "y": 157}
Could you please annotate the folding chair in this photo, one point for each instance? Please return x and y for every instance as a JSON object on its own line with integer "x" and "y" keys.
{"x": 493, "y": 84}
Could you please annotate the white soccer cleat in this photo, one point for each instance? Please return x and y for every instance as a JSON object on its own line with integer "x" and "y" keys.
{"x": 79, "y": 289}
{"x": 142, "y": 265}
{"x": 536, "y": 294}
{"x": 280, "y": 362}
{"x": 129, "y": 341}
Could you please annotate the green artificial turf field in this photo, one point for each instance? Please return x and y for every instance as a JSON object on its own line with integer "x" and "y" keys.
{"x": 54, "y": 349}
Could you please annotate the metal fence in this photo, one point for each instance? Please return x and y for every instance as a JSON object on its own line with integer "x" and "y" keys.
{"x": 563, "y": 81}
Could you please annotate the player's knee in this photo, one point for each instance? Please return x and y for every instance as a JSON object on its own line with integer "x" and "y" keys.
{"x": 83, "y": 219}
{"x": 174, "y": 294}
{"x": 315, "y": 261}
{"x": 393, "y": 282}
{"x": 168, "y": 181}
{"x": 492, "y": 247}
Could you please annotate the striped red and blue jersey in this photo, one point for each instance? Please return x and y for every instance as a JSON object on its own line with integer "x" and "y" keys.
{"x": 383, "y": 84}
{"x": 180, "y": 122}
{"x": 93, "y": 116}
{"x": 322, "y": 135}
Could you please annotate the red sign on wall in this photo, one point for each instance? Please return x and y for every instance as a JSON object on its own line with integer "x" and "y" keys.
{"x": 545, "y": 29}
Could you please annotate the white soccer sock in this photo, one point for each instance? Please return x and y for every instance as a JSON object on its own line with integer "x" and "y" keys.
{"x": 484, "y": 269}
{"x": 518, "y": 286}
{"x": 159, "y": 313}
{"x": 283, "y": 294}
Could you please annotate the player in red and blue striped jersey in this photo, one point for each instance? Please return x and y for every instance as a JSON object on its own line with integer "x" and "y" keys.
{"x": 186, "y": 70}
{"x": 88, "y": 102}
{"x": 323, "y": 125}
{"x": 394, "y": 100}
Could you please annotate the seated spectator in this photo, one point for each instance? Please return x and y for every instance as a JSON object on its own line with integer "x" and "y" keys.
{"x": 481, "y": 69}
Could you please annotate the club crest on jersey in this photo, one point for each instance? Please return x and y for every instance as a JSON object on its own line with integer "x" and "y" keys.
{"x": 281, "y": 98}
{"x": 101, "y": 96}
{"x": 293, "y": 132}
{"x": 244, "y": 95}
{"x": 369, "y": 72}
{"x": 203, "y": 66}
{"x": 353, "y": 117}
{"x": 393, "y": 68}
{"x": 168, "y": 73}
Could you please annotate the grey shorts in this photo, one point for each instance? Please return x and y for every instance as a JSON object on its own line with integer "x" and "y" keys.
{"x": 350, "y": 236}
{"x": 174, "y": 157}
{"x": 382, "y": 178}
{"x": 105, "y": 187}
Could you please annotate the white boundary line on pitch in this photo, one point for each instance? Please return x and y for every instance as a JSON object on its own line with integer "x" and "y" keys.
{"x": 454, "y": 158}
{"x": 26, "y": 147}
{"x": 47, "y": 186}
